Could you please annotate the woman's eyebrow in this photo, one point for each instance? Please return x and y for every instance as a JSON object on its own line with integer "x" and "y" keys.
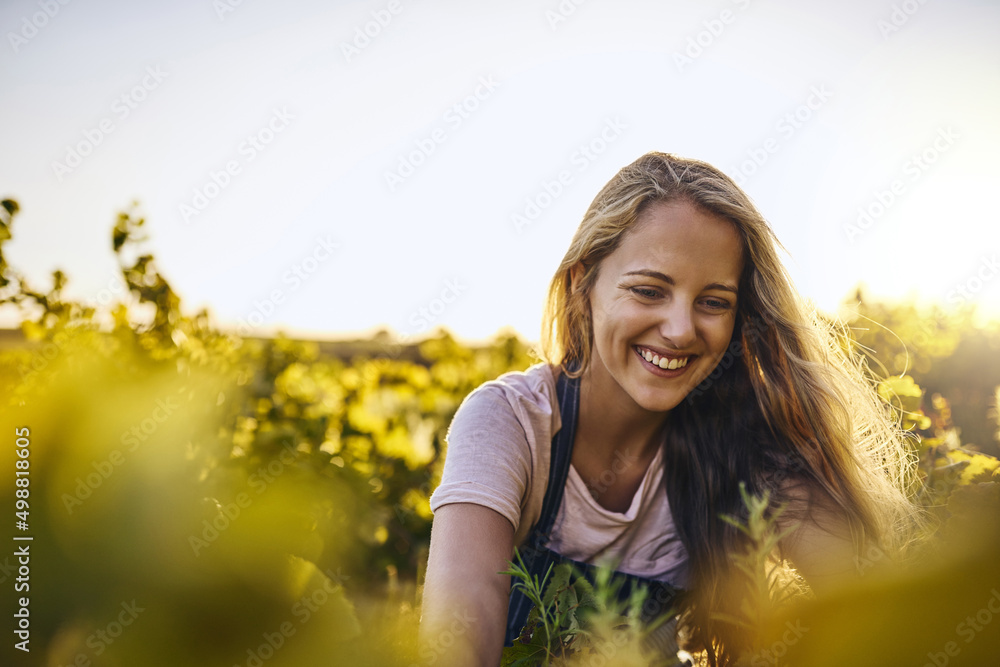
{"x": 670, "y": 281}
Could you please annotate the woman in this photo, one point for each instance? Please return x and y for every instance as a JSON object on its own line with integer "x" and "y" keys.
{"x": 679, "y": 363}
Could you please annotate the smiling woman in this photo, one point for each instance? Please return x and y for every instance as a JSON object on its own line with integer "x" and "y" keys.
{"x": 663, "y": 306}
{"x": 680, "y": 367}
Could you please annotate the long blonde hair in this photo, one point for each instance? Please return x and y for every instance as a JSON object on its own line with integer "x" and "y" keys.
{"x": 789, "y": 400}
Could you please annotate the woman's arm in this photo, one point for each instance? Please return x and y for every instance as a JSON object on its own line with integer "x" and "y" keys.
{"x": 821, "y": 547}
{"x": 823, "y": 552}
{"x": 464, "y": 614}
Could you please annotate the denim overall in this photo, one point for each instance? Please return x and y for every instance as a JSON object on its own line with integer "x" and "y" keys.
{"x": 537, "y": 557}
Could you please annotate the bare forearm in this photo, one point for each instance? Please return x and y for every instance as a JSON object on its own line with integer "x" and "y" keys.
{"x": 465, "y": 599}
{"x": 463, "y": 627}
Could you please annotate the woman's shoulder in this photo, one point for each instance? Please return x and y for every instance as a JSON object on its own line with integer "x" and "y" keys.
{"x": 497, "y": 452}
{"x": 537, "y": 379}
{"x": 530, "y": 394}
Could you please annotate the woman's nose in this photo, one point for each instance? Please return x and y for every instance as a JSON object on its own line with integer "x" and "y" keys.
{"x": 678, "y": 325}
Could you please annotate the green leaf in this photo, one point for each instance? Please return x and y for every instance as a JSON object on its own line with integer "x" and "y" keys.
{"x": 118, "y": 237}
{"x": 520, "y": 655}
{"x": 559, "y": 581}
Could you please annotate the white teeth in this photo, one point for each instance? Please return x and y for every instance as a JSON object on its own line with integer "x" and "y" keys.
{"x": 664, "y": 362}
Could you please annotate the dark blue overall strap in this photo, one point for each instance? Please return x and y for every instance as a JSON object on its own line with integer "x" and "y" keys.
{"x": 568, "y": 392}
{"x": 534, "y": 553}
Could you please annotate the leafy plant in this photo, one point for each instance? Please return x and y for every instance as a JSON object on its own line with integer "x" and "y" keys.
{"x": 944, "y": 463}
{"x": 247, "y": 455}
{"x": 573, "y": 619}
{"x": 338, "y": 448}
{"x": 770, "y": 586}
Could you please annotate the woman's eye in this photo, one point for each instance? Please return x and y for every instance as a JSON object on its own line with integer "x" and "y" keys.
{"x": 645, "y": 292}
{"x": 717, "y": 304}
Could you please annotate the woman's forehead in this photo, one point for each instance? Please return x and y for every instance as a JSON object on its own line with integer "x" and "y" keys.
{"x": 676, "y": 236}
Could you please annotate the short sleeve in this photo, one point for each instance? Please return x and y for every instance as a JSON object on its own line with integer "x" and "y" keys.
{"x": 488, "y": 461}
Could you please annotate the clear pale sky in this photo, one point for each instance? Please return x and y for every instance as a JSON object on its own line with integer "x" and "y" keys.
{"x": 298, "y": 173}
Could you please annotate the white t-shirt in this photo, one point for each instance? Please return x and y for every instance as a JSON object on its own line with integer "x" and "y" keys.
{"x": 499, "y": 444}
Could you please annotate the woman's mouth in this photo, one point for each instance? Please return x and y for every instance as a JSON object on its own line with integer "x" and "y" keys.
{"x": 662, "y": 364}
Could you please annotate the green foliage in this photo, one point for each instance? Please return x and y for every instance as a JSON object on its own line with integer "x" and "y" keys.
{"x": 230, "y": 485}
{"x": 278, "y": 484}
{"x": 930, "y": 611}
{"x": 944, "y": 464}
{"x": 950, "y": 353}
{"x": 903, "y": 395}
{"x": 905, "y": 338}
{"x": 769, "y": 589}
{"x": 954, "y": 354}
{"x": 573, "y": 621}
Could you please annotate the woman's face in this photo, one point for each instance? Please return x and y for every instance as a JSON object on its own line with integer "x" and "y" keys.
{"x": 664, "y": 305}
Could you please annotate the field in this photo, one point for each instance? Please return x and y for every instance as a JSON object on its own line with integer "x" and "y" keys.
{"x": 199, "y": 498}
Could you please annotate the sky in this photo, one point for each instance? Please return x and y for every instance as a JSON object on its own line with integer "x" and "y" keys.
{"x": 330, "y": 168}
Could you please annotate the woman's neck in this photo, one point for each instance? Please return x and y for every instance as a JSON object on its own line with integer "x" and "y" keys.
{"x": 610, "y": 421}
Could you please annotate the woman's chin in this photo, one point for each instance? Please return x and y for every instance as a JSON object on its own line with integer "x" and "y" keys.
{"x": 658, "y": 400}
{"x": 662, "y": 395}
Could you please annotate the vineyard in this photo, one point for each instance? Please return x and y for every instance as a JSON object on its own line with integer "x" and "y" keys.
{"x": 202, "y": 498}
